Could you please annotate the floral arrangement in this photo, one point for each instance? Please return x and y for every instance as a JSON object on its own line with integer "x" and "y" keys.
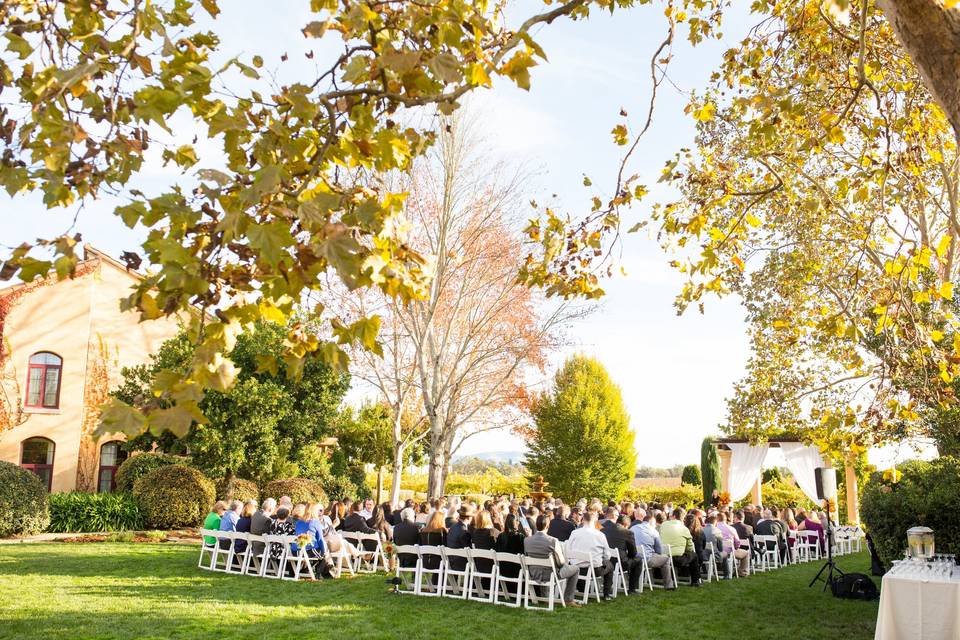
{"x": 389, "y": 548}
{"x": 892, "y": 476}
{"x": 830, "y": 504}
{"x": 303, "y": 540}
{"x": 725, "y": 499}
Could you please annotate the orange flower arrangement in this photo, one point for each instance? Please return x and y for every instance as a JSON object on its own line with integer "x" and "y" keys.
{"x": 830, "y": 504}
{"x": 724, "y": 498}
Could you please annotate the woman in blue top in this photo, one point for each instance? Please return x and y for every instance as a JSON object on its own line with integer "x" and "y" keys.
{"x": 308, "y": 523}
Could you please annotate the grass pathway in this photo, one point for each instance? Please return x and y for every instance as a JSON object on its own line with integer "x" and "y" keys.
{"x": 71, "y": 591}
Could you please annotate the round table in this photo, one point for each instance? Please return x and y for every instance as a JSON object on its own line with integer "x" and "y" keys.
{"x": 915, "y": 609}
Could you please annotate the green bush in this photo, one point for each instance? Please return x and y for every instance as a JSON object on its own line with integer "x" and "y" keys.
{"x": 89, "y": 512}
{"x": 691, "y": 475}
{"x": 338, "y": 487}
{"x": 23, "y": 502}
{"x": 781, "y": 494}
{"x": 237, "y": 489}
{"x": 139, "y": 465}
{"x": 174, "y": 496}
{"x": 683, "y": 496}
{"x": 299, "y": 490}
{"x": 709, "y": 470}
{"x": 928, "y": 494}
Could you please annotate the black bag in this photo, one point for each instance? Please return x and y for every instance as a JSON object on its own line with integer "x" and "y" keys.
{"x": 854, "y": 586}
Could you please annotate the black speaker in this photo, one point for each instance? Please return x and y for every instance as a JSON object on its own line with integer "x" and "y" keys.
{"x": 818, "y": 475}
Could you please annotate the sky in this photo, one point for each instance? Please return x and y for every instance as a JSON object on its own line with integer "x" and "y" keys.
{"x": 674, "y": 372}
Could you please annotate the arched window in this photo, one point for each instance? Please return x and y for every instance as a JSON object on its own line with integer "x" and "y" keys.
{"x": 36, "y": 455}
{"x": 43, "y": 380}
{"x": 111, "y": 455}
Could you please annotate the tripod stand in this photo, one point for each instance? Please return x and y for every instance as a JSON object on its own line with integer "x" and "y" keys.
{"x": 829, "y": 566}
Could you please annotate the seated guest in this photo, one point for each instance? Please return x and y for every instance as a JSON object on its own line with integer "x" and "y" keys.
{"x": 543, "y": 545}
{"x": 647, "y": 539}
{"x": 337, "y": 514}
{"x": 801, "y": 515}
{"x": 589, "y": 540}
{"x": 261, "y": 521}
{"x": 459, "y": 536}
{"x": 511, "y": 540}
{"x": 561, "y": 527}
{"x": 228, "y": 522}
{"x": 675, "y": 534}
{"x": 406, "y": 532}
{"x": 212, "y": 521}
{"x": 700, "y": 546}
{"x": 713, "y": 539}
{"x": 366, "y": 509}
{"x": 435, "y": 531}
{"x": 286, "y": 502}
{"x": 378, "y": 521}
{"x": 308, "y": 522}
{"x": 484, "y": 535}
{"x": 790, "y": 525}
{"x": 423, "y": 514}
{"x": 620, "y": 538}
{"x": 731, "y": 548}
{"x": 244, "y": 524}
{"x": 812, "y": 523}
{"x": 356, "y": 522}
{"x": 770, "y": 525}
{"x": 282, "y": 526}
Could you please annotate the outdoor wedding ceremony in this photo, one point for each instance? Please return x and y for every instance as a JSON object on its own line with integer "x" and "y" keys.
{"x": 456, "y": 318}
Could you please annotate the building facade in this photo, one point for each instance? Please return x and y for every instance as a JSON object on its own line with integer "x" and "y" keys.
{"x": 62, "y": 346}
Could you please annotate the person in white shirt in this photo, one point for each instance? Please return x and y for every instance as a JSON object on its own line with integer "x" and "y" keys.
{"x": 367, "y": 511}
{"x": 587, "y": 541}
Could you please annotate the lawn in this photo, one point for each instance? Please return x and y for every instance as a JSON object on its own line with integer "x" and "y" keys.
{"x": 107, "y": 590}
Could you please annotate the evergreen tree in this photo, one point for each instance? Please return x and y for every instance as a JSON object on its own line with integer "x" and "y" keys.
{"x": 709, "y": 469}
{"x": 690, "y": 475}
{"x": 582, "y": 444}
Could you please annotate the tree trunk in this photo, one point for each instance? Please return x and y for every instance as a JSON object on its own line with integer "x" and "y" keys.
{"x": 931, "y": 35}
{"x": 379, "y": 484}
{"x": 398, "y": 453}
{"x": 435, "y": 476}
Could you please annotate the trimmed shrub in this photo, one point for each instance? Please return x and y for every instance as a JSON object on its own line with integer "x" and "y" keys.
{"x": 139, "y": 465}
{"x": 691, "y": 475}
{"x": 927, "y": 494}
{"x": 174, "y": 496}
{"x": 237, "y": 489}
{"x": 340, "y": 487}
{"x": 90, "y": 512}
{"x": 23, "y": 502}
{"x": 781, "y": 494}
{"x": 299, "y": 490}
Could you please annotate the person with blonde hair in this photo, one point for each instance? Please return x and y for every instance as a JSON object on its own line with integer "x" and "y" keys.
{"x": 812, "y": 523}
{"x": 308, "y": 523}
{"x": 243, "y": 524}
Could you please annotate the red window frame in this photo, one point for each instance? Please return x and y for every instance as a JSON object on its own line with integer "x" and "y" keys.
{"x": 43, "y": 368}
{"x": 113, "y": 468}
{"x": 35, "y": 468}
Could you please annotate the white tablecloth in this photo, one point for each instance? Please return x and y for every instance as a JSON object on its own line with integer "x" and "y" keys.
{"x": 922, "y": 610}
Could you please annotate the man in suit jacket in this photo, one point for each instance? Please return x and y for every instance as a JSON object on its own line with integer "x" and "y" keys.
{"x": 560, "y": 526}
{"x": 406, "y": 533}
{"x": 619, "y": 537}
{"x": 769, "y": 525}
{"x": 543, "y": 545}
{"x": 356, "y": 522}
{"x": 458, "y": 537}
{"x": 261, "y": 521}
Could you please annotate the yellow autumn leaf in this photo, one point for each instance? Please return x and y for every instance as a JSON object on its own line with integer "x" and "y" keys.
{"x": 946, "y": 290}
{"x": 936, "y": 335}
{"x": 704, "y": 113}
{"x": 944, "y": 243}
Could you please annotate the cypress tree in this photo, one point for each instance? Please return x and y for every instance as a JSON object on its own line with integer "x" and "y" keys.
{"x": 709, "y": 469}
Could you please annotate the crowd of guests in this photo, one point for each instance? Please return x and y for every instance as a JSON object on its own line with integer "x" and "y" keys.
{"x": 626, "y": 533}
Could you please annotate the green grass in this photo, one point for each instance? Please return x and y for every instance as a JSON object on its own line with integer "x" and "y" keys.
{"x": 109, "y": 590}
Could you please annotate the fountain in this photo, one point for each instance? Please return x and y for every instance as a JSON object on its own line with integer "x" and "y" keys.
{"x": 538, "y": 494}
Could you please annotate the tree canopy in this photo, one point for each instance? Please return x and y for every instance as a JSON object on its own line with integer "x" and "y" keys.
{"x": 261, "y": 427}
{"x": 582, "y": 443}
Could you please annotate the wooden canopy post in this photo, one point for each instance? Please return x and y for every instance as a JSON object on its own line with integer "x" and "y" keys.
{"x": 756, "y": 492}
{"x": 853, "y": 494}
{"x": 725, "y": 455}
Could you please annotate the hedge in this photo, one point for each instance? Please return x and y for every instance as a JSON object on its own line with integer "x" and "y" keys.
{"x": 23, "y": 502}
{"x": 139, "y": 465}
{"x": 89, "y": 512}
{"x": 927, "y": 494}
{"x": 299, "y": 490}
{"x": 683, "y": 496}
{"x": 174, "y": 496}
{"x": 237, "y": 489}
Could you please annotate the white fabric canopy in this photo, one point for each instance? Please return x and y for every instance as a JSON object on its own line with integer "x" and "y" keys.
{"x": 802, "y": 460}
{"x": 745, "y": 465}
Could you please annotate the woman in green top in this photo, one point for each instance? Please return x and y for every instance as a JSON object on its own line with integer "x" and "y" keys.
{"x": 212, "y": 521}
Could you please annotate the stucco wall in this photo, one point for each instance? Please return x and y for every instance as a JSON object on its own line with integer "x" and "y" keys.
{"x": 67, "y": 318}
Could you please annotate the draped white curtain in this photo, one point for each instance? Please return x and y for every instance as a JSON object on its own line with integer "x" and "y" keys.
{"x": 745, "y": 465}
{"x": 802, "y": 460}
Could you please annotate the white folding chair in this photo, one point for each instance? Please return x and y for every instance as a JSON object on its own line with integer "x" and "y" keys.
{"x": 769, "y": 552}
{"x": 341, "y": 558}
{"x": 502, "y": 593}
{"x": 808, "y": 543}
{"x": 239, "y": 554}
{"x": 668, "y": 569}
{"x": 475, "y": 589}
{"x": 369, "y": 558}
{"x": 296, "y": 558}
{"x": 430, "y": 555}
{"x": 406, "y": 553}
{"x": 645, "y": 577}
{"x": 257, "y": 553}
{"x": 453, "y": 582}
{"x": 274, "y": 564}
{"x": 222, "y": 552}
{"x": 856, "y": 540}
{"x": 587, "y": 575}
{"x": 552, "y": 585}
{"x": 209, "y": 548}
{"x": 619, "y": 575}
{"x": 711, "y": 566}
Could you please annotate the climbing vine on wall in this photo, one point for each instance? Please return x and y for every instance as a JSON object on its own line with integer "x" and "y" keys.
{"x": 96, "y": 393}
